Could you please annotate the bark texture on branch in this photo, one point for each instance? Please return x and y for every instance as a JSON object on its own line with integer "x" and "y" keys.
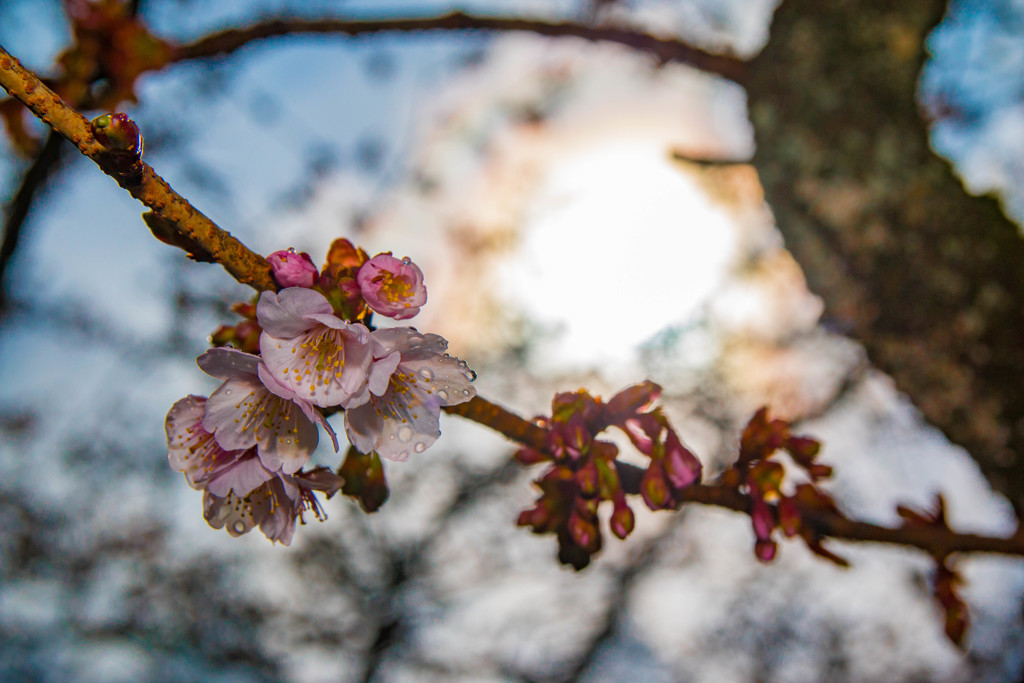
{"x": 928, "y": 278}
{"x": 149, "y": 188}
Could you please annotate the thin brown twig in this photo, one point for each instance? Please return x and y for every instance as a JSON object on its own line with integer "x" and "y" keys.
{"x": 42, "y": 167}
{"x": 664, "y": 49}
{"x": 149, "y": 188}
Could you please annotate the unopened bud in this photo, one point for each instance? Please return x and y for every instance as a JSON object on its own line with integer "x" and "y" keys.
{"x": 682, "y": 467}
{"x": 789, "y": 516}
{"x": 630, "y": 401}
{"x": 530, "y": 456}
{"x": 292, "y": 269}
{"x": 622, "y": 520}
{"x": 654, "y": 488}
{"x": 765, "y": 550}
{"x": 117, "y": 132}
{"x": 584, "y": 532}
{"x": 587, "y": 478}
{"x": 761, "y": 516}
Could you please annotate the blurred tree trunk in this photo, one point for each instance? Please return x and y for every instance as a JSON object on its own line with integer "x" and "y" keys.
{"x": 928, "y": 278}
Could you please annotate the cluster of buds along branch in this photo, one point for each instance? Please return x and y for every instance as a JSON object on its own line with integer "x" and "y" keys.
{"x": 584, "y": 472}
{"x": 764, "y": 479}
{"x": 302, "y": 353}
{"x": 946, "y": 580}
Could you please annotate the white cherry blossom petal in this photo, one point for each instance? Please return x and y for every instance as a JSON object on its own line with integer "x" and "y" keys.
{"x": 284, "y": 314}
{"x": 229, "y": 512}
{"x": 240, "y": 479}
{"x": 191, "y": 449}
{"x": 223, "y": 363}
{"x": 243, "y": 413}
{"x": 404, "y": 418}
{"x": 326, "y": 366}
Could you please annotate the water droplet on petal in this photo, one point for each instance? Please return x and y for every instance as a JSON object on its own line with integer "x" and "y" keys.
{"x": 427, "y": 374}
{"x": 469, "y": 374}
{"x": 443, "y": 395}
{"x": 406, "y": 260}
{"x": 405, "y": 433}
{"x": 465, "y": 392}
{"x": 420, "y": 447}
{"x": 402, "y": 455}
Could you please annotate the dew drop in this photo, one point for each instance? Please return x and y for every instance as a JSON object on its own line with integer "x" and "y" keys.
{"x": 227, "y": 393}
{"x": 470, "y": 374}
{"x": 465, "y": 392}
{"x": 443, "y": 395}
{"x": 420, "y": 447}
{"x": 402, "y": 455}
{"x": 406, "y": 260}
{"x": 427, "y": 374}
{"x": 405, "y": 433}
{"x": 239, "y": 527}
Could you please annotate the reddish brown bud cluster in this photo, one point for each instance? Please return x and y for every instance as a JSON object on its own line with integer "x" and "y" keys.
{"x": 337, "y": 280}
{"x": 244, "y": 336}
{"x": 583, "y": 470}
{"x": 763, "y": 479}
{"x": 946, "y": 580}
{"x": 364, "y": 479}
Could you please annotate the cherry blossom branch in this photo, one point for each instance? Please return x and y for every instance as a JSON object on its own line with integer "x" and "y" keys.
{"x": 191, "y": 226}
{"x": 664, "y": 49}
{"x": 937, "y": 541}
{"x": 249, "y": 268}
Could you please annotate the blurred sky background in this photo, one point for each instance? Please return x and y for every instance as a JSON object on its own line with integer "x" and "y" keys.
{"x": 533, "y": 181}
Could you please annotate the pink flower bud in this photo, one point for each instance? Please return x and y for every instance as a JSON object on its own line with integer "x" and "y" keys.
{"x": 765, "y": 550}
{"x": 762, "y": 517}
{"x": 682, "y": 467}
{"x": 789, "y": 516}
{"x": 577, "y": 438}
{"x": 293, "y": 269}
{"x": 392, "y": 287}
{"x": 530, "y": 456}
{"x": 643, "y": 431}
{"x": 583, "y": 532}
{"x": 654, "y": 488}
{"x": 117, "y": 132}
{"x": 587, "y": 478}
{"x": 630, "y": 401}
{"x": 622, "y": 521}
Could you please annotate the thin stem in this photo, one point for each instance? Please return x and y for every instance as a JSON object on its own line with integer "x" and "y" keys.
{"x": 44, "y": 165}
{"x": 664, "y": 49}
{"x": 244, "y": 265}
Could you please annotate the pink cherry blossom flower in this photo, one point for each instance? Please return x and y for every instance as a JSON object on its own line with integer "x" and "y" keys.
{"x": 274, "y": 505}
{"x": 194, "y": 452}
{"x": 293, "y": 269}
{"x": 392, "y": 287}
{"x": 251, "y": 408}
{"x": 410, "y": 380}
{"x": 311, "y": 351}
